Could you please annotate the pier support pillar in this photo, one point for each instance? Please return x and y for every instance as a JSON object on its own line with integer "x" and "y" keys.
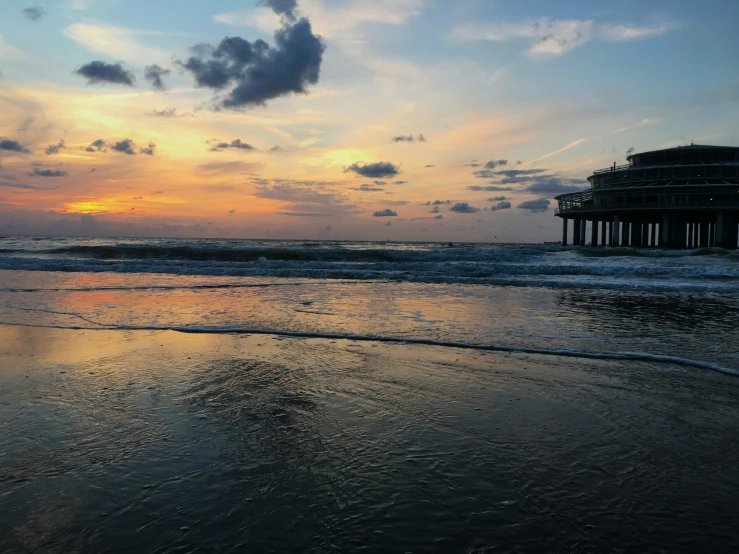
{"x": 583, "y": 232}
{"x": 654, "y": 235}
{"x": 615, "y": 228}
{"x": 666, "y": 231}
{"x": 604, "y": 234}
{"x": 626, "y": 226}
{"x": 576, "y": 232}
{"x": 711, "y": 234}
{"x": 644, "y": 234}
{"x": 633, "y": 239}
{"x": 726, "y": 227}
{"x": 596, "y": 232}
{"x": 564, "y": 231}
{"x": 703, "y": 241}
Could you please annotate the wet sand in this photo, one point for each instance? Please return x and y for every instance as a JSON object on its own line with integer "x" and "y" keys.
{"x": 120, "y": 441}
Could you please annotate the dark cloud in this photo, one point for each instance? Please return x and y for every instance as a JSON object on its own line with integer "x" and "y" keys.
{"x": 463, "y": 208}
{"x": 230, "y": 167}
{"x": 497, "y": 199}
{"x": 490, "y": 188}
{"x": 368, "y": 188}
{"x": 18, "y": 186}
{"x": 54, "y": 148}
{"x": 396, "y": 202}
{"x": 34, "y": 13}
{"x": 256, "y": 71}
{"x": 149, "y": 150}
{"x": 97, "y": 146}
{"x": 435, "y": 210}
{"x": 408, "y": 138}
{"x": 303, "y": 214}
{"x": 232, "y": 211}
{"x": 276, "y": 149}
{"x": 387, "y": 212}
{"x": 37, "y": 172}
{"x": 218, "y": 146}
{"x": 169, "y": 112}
{"x": 125, "y": 146}
{"x": 12, "y": 146}
{"x": 296, "y": 191}
{"x": 492, "y": 164}
{"x": 501, "y": 206}
{"x": 539, "y": 205}
{"x": 399, "y": 182}
{"x": 154, "y": 74}
{"x": 553, "y": 185}
{"x": 437, "y": 203}
{"x": 388, "y": 224}
{"x": 515, "y": 173}
{"x": 98, "y": 72}
{"x": 430, "y": 166}
{"x": 374, "y": 170}
{"x": 439, "y": 217}
{"x": 473, "y": 164}
{"x": 285, "y": 8}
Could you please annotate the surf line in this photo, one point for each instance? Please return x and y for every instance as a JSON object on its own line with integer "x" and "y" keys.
{"x": 621, "y": 356}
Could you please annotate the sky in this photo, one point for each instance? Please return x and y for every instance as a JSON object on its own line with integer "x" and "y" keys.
{"x": 432, "y": 120}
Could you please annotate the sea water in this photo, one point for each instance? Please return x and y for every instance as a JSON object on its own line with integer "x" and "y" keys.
{"x": 215, "y": 395}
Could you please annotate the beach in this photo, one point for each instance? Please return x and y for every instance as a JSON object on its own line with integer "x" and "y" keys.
{"x": 207, "y": 411}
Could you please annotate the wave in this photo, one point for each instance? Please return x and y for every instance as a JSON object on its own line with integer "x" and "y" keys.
{"x": 529, "y": 273}
{"x": 224, "y": 330}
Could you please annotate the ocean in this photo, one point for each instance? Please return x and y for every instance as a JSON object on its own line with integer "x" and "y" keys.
{"x": 172, "y": 395}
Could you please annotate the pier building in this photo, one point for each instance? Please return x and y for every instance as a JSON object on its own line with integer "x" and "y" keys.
{"x": 684, "y": 197}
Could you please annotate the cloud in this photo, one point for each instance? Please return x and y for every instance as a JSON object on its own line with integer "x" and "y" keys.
{"x": 232, "y": 211}
{"x": 116, "y": 42}
{"x": 296, "y": 191}
{"x": 552, "y": 37}
{"x": 408, "y": 138}
{"x": 18, "y": 186}
{"x": 12, "y": 146}
{"x": 230, "y": 167}
{"x": 490, "y": 188}
{"x": 435, "y": 210}
{"x": 553, "y": 185}
{"x": 149, "y": 150}
{"x": 497, "y": 199}
{"x": 327, "y": 228}
{"x": 501, "y": 206}
{"x": 98, "y": 72}
{"x": 303, "y": 214}
{"x": 539, "y": 205}
{"x": 256, "y": 71}
{"x": 396, "y": 202}
{"x": 37, "y": 172}
{"x": 34, "y": 13}
{"x": 374, "y": 170}
{"x": 97, "y": 146}
{"x": 399, "y": 182}
{"x": 439, "y": 217}
{"x": 492, "y": 164}
{"x": 368, "y": 188}
{"x": 285, "y": 8}
{"x": 125, "y": 146}
{"x": 54, "y": 148}
{"x": 154, "y": 74}
{"x": 463, "y": 208}
{"x": 573, "y": 144}
{"x": 218, "y": 146}
{"x": 169, "y": 112}
{"x": 387, "y": 212}
{"x": 430, "y": 166}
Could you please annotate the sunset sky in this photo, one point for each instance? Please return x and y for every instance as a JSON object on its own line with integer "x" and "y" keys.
{"x": 383, "y": 119}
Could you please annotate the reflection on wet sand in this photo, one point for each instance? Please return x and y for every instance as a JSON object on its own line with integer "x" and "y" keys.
{"x": 112, "y": 440}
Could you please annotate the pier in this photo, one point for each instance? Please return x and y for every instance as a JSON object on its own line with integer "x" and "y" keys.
{"x": 684, "y": 197}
